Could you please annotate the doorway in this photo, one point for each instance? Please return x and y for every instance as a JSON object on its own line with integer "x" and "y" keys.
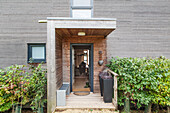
{"x": 81, "y": 67}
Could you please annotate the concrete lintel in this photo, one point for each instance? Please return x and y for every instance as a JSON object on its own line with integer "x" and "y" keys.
{"x": 110, "y": 24}
{"x": 91, "y": 23}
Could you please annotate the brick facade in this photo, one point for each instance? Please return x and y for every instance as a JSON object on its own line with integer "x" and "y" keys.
{"x": 99, "y": 44}
{"x": 58, "y": 51}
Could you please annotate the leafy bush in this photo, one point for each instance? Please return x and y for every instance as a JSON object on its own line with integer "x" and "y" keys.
{"x": 145, "y": 80}
{"x": 18, "y": 86}
{"x": 13, "y": 88}
{"x": 37, "y": 87}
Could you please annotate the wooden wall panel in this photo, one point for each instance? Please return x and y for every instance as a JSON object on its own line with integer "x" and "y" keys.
{"x": 143, "y": 27}
{"x": 19, "y": 26}
{"x": 59, "y": 65}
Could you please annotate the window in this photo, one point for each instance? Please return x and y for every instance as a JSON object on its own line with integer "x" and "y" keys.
{"x": 85, "y": 57}
{"x": 36, "y": 53}
{"x": 81, "y": 8}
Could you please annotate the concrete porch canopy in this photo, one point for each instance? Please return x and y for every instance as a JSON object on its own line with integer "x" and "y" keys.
{"x": 92, "y": 27}
{"x": 68, "y": 27}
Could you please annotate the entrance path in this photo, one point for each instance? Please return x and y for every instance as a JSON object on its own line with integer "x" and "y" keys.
{"x": 93, "y": 102}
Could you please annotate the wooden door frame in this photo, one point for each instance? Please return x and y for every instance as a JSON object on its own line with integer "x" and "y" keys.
{"x": 91, "y": 60}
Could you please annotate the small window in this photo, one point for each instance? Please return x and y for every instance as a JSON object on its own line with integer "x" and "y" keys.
{"x": 81, "y": 8}
{"x": 36, "y": 53}
{"x": 86, "y": 57}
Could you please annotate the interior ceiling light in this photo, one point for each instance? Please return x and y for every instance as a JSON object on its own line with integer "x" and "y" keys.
{"x": 81, "y": 33}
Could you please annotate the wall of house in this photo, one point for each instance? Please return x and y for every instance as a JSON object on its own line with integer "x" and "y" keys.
{"x": 99, "y": 45}
{"x": 59, "y": 65}
{"x": 143, "y": 27}
{"x": 19, "y": 26}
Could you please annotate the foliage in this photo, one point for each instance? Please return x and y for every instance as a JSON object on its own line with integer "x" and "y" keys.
{"x": 13, "y": 88}
{"x": 17, "y": 87}
{"x": 38, "y": 89}
{"x": 145, "y": 80}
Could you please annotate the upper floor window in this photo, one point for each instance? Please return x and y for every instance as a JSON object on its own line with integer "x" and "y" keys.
{"x": 81, "y": 8}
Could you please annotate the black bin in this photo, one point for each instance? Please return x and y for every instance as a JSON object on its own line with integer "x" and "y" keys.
{"x": 101, "y": 82}
{"x": 107, "y": 88}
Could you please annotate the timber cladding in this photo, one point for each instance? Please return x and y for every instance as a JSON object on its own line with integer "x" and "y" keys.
{"x": 143, "y": 26}
{"x": 19, "y": 26}
{"x": 99, "y": 44}
{"x": 58, "y": 53}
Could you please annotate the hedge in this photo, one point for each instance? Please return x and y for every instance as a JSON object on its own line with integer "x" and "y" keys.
{"x": 143, "y": 80}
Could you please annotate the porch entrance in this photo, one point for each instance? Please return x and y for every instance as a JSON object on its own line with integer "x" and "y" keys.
{"x": 81, "y": 68}
{"x": 60, "y": 33}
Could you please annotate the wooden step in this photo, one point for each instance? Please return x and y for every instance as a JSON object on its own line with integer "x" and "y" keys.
{"x": 91, "y": 101}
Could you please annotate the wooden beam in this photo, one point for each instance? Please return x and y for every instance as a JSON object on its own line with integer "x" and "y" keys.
{"x": 115, "y": 93}
{"x": 115, "y": 88}
{"x": 51, "y": 67}
{"x": 115, "y": 74}
{"x": 42, "y": 21}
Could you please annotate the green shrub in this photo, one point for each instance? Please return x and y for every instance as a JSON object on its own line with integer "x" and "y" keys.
{"x": 19, "y": 86}
{"x": 13, "y": 88}
{"x": 37, "y": 87}
{"x": 144, "y": 79}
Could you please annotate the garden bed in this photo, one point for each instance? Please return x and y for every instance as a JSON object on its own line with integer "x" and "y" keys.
{"x": 26, "y": 110}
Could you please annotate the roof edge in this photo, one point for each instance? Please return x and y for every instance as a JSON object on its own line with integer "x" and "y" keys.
{"x": 80, "y": 19}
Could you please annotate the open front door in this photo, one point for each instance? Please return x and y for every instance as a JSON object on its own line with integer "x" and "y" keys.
{"x": 73, "y": 65}
{"x": 81, "y": 67}
{"x": 90, "y": 63}
{"x": 91, "y": 67}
